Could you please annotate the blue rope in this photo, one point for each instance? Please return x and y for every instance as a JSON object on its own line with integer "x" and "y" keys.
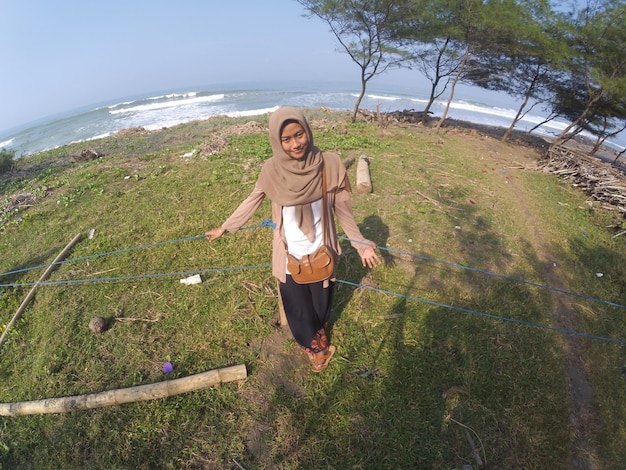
{"x": 265, "y": 223}
{"x": 395, "y": 294}
{"x": 489, "y": 273}
{"x": 488, "y": 315}
{"x": 139, "y": 276}
{"x": 269, "y": 223}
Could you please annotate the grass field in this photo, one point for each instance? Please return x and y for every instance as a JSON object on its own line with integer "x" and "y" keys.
{"x": 461, "y": 349}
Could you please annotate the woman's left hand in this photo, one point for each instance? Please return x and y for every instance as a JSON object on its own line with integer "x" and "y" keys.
{"x": 369, "y": 257}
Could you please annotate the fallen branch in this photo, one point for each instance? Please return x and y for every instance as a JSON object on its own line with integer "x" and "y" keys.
{"x": 164, "y": 389}
{"x": 151, "y": 320}
{"x": 32, "y": 292}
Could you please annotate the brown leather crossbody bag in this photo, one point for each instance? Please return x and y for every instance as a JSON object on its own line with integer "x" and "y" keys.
{"x": 319, "y": 265}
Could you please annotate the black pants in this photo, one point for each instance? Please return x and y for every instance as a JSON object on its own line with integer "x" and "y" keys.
{"x": 307, "y": 308}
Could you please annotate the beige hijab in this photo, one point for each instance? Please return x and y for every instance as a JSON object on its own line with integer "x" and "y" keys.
{"x": 290, "y": 182}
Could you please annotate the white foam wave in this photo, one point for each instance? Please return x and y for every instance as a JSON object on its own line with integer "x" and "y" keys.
{"x": 190, "y": 94}
{"x": 175, "y": 119}
{"x": 477, "y": 108}
{"x": 169, "y": 96}
{"x": 6, "y": 143}
{"x": 251, "y": 112}
{"x": 165, "y": 124}
{"x": 386, "y": 98}
{"x": 99, "y": 136}
{"x": 505, "y": 113}
{"x": 169, "y": 104}
{"x": 117, "y": 105}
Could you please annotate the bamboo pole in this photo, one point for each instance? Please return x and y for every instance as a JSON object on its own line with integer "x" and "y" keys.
{"x": 363, "y": 177}
{"x": 43, "y": 277}
{"x": 282, "y": 316}
{"x": 163, "y": 389}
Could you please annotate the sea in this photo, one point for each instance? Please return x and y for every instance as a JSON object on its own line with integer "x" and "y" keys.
{"x": 156, "y": 110}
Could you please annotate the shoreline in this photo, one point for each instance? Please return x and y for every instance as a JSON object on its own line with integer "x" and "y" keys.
{"x": 522, "y": 138}
{"x": 164, "y": 109}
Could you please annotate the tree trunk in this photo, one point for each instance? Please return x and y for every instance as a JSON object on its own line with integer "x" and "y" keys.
{"x": 435, "y": 82}
{"x": 357, "y": 105}
{"x": 520, "y": 110}
{"x": 565, "y": 135}
{"x": 452, "y": 87}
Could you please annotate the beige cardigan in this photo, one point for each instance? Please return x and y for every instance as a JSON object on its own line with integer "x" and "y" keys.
{"x": 338, "y": 201}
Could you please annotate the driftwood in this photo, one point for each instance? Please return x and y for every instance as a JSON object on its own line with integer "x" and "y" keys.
{"x": 600, "y": 180}
{"x": 363, "y": 178}
{"x": 409, "y": 116}
{"x": 164, "y": 389}
{"x": 44, "y": 276}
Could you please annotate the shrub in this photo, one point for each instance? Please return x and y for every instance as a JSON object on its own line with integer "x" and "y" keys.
{"x": 6, "y": 160}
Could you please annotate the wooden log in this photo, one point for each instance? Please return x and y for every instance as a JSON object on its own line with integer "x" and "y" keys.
{"x": 33, "y": 290}
{"x": 164, "y": 389}
{"x": 363, "y": 178}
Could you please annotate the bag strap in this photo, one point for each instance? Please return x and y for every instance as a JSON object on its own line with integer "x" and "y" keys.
{"x": 324, "y": 202}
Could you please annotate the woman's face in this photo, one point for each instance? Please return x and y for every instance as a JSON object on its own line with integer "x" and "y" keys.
{"x": 294, "y": 140}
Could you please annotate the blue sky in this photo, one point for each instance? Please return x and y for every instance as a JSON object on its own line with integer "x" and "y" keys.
{"x": 62, "y": 55}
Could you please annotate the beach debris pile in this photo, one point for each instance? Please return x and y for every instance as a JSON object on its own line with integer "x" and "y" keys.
{"x": 219, "y": 140}
{"x": 602, "y": 181}
{"x": 18, "y": 201}
{"x": 409, "y": 116}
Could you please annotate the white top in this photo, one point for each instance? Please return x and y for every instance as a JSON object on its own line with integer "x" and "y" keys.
{"x": 298, "y": 244}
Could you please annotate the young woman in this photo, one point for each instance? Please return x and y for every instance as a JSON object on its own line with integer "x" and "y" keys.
{"x": 292, "y": 180}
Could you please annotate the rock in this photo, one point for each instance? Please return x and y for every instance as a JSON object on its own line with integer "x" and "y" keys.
{"x": 98, "y": 325}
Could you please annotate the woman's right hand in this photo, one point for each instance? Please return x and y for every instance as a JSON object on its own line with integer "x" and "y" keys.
{"x": 215, "y": 233}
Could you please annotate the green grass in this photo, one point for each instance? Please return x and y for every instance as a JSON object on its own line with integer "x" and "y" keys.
{"x": 380, "y": 404}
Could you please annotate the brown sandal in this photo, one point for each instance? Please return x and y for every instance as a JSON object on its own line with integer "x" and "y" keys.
{"x": 319, "y": 366}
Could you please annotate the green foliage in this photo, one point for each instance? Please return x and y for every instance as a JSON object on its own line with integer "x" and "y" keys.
{"x": 257, "y": 145}
{"x": 570, "y": 62}
{"x": 6, "y": 160}
{"x": 348, "y": 141}
{"x": 365, "y": 30}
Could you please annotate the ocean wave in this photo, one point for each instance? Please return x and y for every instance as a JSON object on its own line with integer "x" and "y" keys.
{"x": 117, "y": 105}
{"x": 99, "y": 136}
{"x": 169, "y": 96}
{"x": 395, "y": 98}
{"x": 386, "y": 98}
{"x": 6, "y": 143}
{"x": 477, "y": 108}
{"x": 168, "y": 104}
{"x": 251, "y": 112}
{"x": 189, "y": 94}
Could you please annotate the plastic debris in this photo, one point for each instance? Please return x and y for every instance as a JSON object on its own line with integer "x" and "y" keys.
{"x": 195, "y": 279}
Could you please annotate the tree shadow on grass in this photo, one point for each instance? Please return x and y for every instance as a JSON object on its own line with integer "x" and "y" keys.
{"x": 351, "y": 269}
{"x": 433, "y": 373}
